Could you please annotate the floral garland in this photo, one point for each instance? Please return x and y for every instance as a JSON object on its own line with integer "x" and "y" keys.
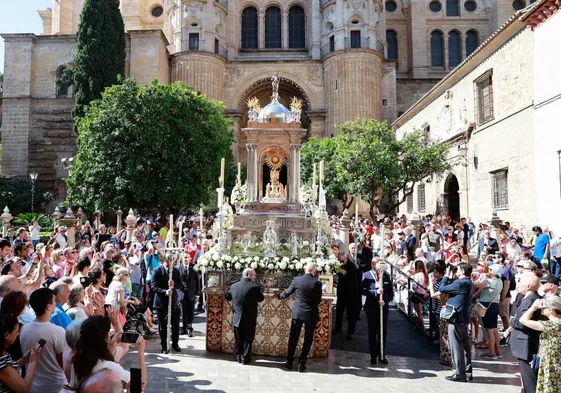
{"x": 212, "y": 261}
{"x": 306, "y": 195}
{"x": 239, "y": 194}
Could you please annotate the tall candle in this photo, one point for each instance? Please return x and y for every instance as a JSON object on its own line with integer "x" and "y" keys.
{"x": 356, "y": 213}
{"x": 321, "y": 175}
{"x": 170, "y": 232}
{"x": 222, "y": 162}
{"x": 314, "y": 178}
{"x": 239, "y": 173}
{"x": 201, "y": 213}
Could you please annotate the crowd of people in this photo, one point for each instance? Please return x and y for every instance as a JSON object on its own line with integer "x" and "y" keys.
{"x": 71, "y": 308}
{"x": 467, "y": 282}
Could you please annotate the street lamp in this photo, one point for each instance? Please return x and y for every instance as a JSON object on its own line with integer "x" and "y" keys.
{"x": 33, "y": 175}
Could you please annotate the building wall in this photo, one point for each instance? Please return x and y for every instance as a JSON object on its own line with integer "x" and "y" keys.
{"x": 504, "y": 142}
{"x": 547, "y": 107}
{"x": 148, "y": 58}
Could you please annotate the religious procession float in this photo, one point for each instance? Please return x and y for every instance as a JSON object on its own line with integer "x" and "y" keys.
{"x": 279, "y": 226}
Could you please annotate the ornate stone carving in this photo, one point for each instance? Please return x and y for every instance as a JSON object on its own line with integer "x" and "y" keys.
{"x": 315, "y": 75}
{"x": 327, "y": 13}
{"x": 192, "y": 10}
{"x": 232, "y": 74}
{"x": 356, "y": 4}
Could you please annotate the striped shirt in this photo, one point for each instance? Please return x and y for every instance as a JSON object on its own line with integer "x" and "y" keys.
{"x": 5, "y": 361}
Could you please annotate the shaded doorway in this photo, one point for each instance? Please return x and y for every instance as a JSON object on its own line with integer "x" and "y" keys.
{"x": 452, "y": 195}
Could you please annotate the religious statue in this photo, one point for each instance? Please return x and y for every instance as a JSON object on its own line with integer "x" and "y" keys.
{"x": 275, "y": 191}
{"x": 246, "y": 243}
{"x": 294, "y": 244}
{"x": 275, "y": 84}
{"x": 270, "y": 240}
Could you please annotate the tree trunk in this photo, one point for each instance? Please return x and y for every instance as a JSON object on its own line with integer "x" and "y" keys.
{"x": 344, "y": 198}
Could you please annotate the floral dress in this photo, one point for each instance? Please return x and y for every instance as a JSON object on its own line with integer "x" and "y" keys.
{"x": 550, "y": 358}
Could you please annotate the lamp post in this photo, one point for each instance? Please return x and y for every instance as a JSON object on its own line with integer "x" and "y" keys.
{"x": 33, "y": 175}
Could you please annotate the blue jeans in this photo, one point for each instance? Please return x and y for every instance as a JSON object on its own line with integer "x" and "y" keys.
{"x": 555, "y": 268}
{"x": 137, "y": 291}
{"x": 35, "y": 242}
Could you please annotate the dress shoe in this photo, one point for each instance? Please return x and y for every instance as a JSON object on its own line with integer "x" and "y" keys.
{"x": 165, "y": 350}
{"x": 384, "y": 361}
{"x": 190, "y": 333}
{"x": 239, "y": 359}
{"x": 373, "y": 361}
{"x": 469, "y": 377}
{"x": 301, "y": 368}
{"x": 176, "y": 348}
{"x": 455, "y": 378}
{"x": 349, "y": 337}
{"x": 246, "y": 361}
{"x": 288, "y": 365}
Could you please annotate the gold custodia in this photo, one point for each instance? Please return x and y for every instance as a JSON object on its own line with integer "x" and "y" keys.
{"x": 295, "y": 104}
{"x": 275, "y": 158}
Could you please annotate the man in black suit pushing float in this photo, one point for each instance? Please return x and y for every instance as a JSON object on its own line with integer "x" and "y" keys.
{"x": 245, "y": 295}
{"x": 304, "y": 312}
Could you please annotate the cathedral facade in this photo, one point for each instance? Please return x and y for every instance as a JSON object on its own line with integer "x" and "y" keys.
{"x": 343, "y": 58}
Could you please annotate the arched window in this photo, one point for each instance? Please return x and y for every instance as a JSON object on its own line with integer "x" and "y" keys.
{"x": 472, "y": 41}
{"x": 61, "y": 84}
{"x": 452, "y": 8}
{"x": 250, "y": 31}
{"x": 296, "y": 28}
{"x": 391, "y": 39}
{"x": 273, "y": 28}
{"x": 454, "y": 49}
{"x": 437, "y": 49}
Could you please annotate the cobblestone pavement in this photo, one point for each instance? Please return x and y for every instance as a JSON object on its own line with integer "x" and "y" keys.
{"x": 195, "y": 370}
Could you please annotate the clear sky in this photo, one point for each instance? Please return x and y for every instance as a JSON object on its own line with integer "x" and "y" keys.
{"x": 20, "y": 16}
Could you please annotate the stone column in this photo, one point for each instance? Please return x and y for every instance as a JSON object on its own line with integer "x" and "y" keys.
{"x": 261, "y": 28}
{"x": 292, "y": 177}
{"x": 6, "y": 217}
{"x": 344, "y": 230}
{"x": 69, "y": 221}
{"x": 131, "y": 221}
{"x": 297, "y": 171}
{"x": 255, "y": 173}
{"x": 251, "y": 172}
{"x": 284, "y": 33}
{"x": 415, "y": 224}
{"x": 119, "y": 219}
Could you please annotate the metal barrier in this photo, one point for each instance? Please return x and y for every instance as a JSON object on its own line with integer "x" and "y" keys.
{"x": 402, "y": 282}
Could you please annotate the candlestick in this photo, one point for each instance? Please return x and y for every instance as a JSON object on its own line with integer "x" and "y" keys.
{"x": 239, "y": 173}
{"x": 201, "y": 213}
{"x": 383, "y": 233}
{"x": 321, "y": 176}
{"x": 170, "y": 233}
{"x": 222, "y": 162}
{"x": 314, "y": 176}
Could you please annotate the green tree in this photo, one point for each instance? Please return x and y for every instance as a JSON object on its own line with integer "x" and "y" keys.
{"x": 100, "y": 52}
{"x": 382, "y": 169}
{"x": 313, "y": 151}
{"x": 150, "y": 146}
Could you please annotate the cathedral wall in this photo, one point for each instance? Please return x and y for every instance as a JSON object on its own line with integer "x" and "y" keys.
{"x": 353, "y": 87}
{"x": 49, "y": 53}
{"x": 410, "y": 91}
{"x": 148, "y": 57}
{"x": 202, "y": 71}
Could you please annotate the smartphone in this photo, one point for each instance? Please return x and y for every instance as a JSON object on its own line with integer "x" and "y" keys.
{"x": 129, "y": 337}
{"x": 42, "y": 343}
{"x": 106, "y": 306}
{"x": 85, "y": 281}
{"x": 136, "y": 380}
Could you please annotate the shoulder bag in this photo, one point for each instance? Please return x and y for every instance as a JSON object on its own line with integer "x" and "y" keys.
{"x": 480, "y": 309}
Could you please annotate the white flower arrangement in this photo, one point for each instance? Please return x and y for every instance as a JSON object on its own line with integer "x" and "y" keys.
{"x": 239, "y": 194}
{"x": 212, "y": 261}
{"x": 306, "y": 195}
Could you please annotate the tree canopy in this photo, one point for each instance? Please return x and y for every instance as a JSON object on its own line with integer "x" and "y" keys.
{"x": 100, "y": 51}
{"x": 149, "y": 146}
{"x": 366, "y": 159}
{"x": 315, "y": 150}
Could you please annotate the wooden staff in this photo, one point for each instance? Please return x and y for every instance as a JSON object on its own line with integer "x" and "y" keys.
{"x": 170, "y": 276}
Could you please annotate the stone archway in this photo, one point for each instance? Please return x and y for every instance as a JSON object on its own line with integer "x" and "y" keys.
{"x": 452, "y": 196}
{"x": 263, "y": 90}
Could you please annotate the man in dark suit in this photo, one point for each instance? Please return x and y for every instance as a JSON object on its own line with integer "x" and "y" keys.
{"x": 347, "y": 295}
{"x": 379, "y": 293}
{"x": 410, "y": 243}
{"x": 304, "y": 311}
{"x": 460, "y": 291}
{"x": 163, "y": 287}
{"x": 244, "y": 295}
{"x": 490, "y": 244}
{"x": 524, "y": 342}
{"x": 192, "y": 287}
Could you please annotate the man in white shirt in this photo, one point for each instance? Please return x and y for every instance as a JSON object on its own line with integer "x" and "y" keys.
{"x": 49, "y": 375}
{"x": 34, "y": 230}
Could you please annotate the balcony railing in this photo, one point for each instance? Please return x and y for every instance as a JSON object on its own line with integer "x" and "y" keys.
{"x": 221, "y": 51}
{"x": 351, "y": 43}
